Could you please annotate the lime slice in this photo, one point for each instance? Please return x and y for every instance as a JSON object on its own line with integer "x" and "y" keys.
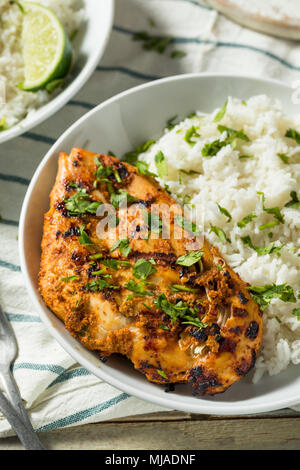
{"x": 47, "y": 51}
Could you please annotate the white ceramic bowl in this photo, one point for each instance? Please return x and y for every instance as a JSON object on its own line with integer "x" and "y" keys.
{"x": 120, "y": 124}
{"x": 89, "y": 46}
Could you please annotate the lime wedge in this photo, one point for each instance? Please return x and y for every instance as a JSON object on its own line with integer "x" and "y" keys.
{"x": 47, "y": 51}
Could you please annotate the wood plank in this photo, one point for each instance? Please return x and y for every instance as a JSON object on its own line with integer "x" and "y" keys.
{"x": 243, "y": 433}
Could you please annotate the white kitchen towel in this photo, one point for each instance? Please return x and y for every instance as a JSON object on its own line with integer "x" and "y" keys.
{"x": 57, "y": 391}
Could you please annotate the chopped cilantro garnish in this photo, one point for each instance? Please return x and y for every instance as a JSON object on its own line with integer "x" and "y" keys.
{"x": 284, "y": 157}
{"x": 187, "y": 225}
{"x": 271, "y": 210}
{"x": 190, "y": 172}
{"x": 221, "y": 113}
{"x": 293, "y": 134}
{"x": 80, "y": 203}
{"x": 160, "y": 162}
{"x": 123, "y": 245}
{"x": 210, "y": 150}
{"x": 70, "y": 278}
{"x": 220, "y": 233}
{"x": 264, "y": 294}
{"x": 180, "y": 288}
{"x": 190, "y": 133}
{"x": 294, "y": 203}
{"x": 143, "y": 169}
{"x": 114, "y": 263}
{"x": 246, "y": 220}
{"x": 190, "y": 258}
{"x": 99, "y": 272}
{"x": 170, "y": 122}
{"x": 96, "y": 256}
{"x": 99, "y": 285}
{"x": 162, "y": 373}
{"x": 103, "y": 172}
{"x": 142, "y": 269}
{"x": 232, "y": 134}
{"x": 131, "y": 157}
{"x": 265, "y": 250}
{"x": 179, "y": 312}
{"x": 121, "y": 198}
{"x": 296, "y": 312}
{"x": 244, "y": 157}
{"x": 225, "y": 212}
{"x": 84, "y": 239}
{"x": 269, "y": 225}
{"x": 138, "y": 289}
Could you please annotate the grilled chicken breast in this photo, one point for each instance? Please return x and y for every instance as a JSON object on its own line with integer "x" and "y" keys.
{"x": 171, "y": 305}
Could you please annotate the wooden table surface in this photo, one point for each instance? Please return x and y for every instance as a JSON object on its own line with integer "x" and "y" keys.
{"x": 176, "y": 430}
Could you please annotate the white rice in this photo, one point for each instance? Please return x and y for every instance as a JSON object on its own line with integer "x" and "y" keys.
{"x": 233, "y": 183}
{"x": 20, "y": 103}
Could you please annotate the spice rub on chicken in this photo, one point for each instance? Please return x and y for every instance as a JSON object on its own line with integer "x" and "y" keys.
{"x": 168, "y": 303}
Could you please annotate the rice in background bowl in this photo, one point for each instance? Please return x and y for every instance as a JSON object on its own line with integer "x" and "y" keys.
{"x": 19, "y": 103}
{"x": 233, "y": 183}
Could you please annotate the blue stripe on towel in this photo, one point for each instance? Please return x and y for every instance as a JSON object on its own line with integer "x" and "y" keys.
{"x": 20, "y": 318}
{"x": 41, "y": 367}
{"x": 183, "y": 40}
{"x": 14, "y": 179}
{"x": 70, "y": 374}
{"x": 39, "y": 138}
{"x": 126, "y": 71}
{"x": 10, "y": 266}
{"x": 82, "y": 415}
{"x": 12, "y": 223}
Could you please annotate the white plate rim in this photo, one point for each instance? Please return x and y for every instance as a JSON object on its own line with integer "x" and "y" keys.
{"x": 54, "y": 105}
{"x": 202, "y": 407}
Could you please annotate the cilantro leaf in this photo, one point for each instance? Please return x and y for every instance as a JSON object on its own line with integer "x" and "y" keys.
{"x": 138, "y": 289}
{"x": 132, "y": 156}
{"x": 84, "y": 239}
{"x": 142, "y": 269}
{"x": 179, "y": 312}
{"x": 121, "y": 199}
{"x": 271, "y": 210}
{"x": 266, "y": 250}
{"x": 187, "y": 225}
{"x": 191, "y": 132}
{"x": 296, "y": 312}
{"x": 190, "y": 258}
{"x": 294, "y": 203}
{"x": 225, "y": 212}
{"x": 293, "y": 134}
{"x": 99, "y": 285}
{"x": 220, "y": 233}
{"x": 210, "y": 150}
{"x": 284, "y": 157}
{"x": 160, "y": 162}
{"x": 70, "y": 278}
{"x": 181, "y": 288}
{"x": 143, "y": 169}
{"x": 221, "y": 113}
{"x": 264, "y": 294}
{"x": 80, "y": 203}
{"x": 123, "y": 245}
{"x": 246, "y": 220}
